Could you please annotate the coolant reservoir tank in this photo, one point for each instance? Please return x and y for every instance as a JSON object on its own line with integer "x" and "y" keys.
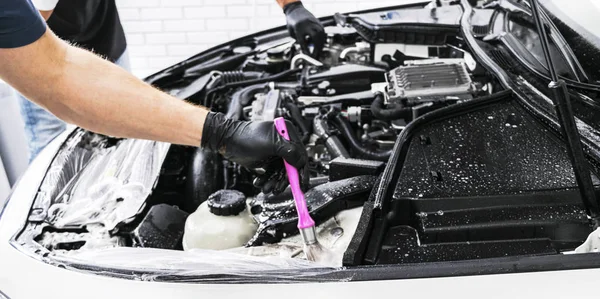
{"x": 221, "y": 222}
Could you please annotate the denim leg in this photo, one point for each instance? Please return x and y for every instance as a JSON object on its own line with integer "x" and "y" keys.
{"x": 41, "y": 126}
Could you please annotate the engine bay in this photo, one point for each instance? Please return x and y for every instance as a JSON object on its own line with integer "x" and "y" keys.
{"x": 407, "y": 163}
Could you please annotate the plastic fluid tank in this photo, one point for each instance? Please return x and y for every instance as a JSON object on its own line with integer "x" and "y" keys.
{"x": 221, "y": 222}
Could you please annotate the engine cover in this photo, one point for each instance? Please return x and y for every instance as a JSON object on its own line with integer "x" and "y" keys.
{"x": 411, "y": 26}
{"x": 429, "y": 80}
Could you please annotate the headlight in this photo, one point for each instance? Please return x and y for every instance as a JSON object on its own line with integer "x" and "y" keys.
{"x": 95, "y": 179}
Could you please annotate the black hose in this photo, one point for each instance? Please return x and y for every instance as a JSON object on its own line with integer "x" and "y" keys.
{"x": 232, "y": 77}
{"x": 379, "y": 112}
{"x": 226, "y": 63}
{"x": 242, "y": 98}
{"x": 332, "y": 142}
{"x": 297, "y": 118}
{"x": 261, "y": 80}
{"x": 249, "y": 82}
{"x": 239, "y": 76}
{"x": 205, "y": 176}
{"x": 346, "y": 131}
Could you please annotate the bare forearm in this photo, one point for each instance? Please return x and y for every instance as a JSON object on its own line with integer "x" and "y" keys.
{"x": 118, "y": 104}
{"x": 83, "y": 89}
{"x": 46, "y": 14}
{"x": 283, "y": 3}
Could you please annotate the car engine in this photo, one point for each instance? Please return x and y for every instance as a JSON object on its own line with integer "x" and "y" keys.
{"x": 374, "y": 80}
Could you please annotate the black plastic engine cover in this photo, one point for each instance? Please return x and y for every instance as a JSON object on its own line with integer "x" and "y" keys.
{"x": 347, "y": 77}
{"x": 419, "y": 26}
{"x": 343, "y": 168}
{"x": 477, "y": 180}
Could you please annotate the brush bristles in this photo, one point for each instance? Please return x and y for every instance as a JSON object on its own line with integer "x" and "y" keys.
{"x": 317, "y": 253}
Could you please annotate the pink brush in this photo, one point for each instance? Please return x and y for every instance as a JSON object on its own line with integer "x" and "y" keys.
{"x": 306, "y": 224}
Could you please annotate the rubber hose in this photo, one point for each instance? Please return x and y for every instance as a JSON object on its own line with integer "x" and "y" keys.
{"x": 333, "y": 143}
{"x": 249, "y": 82}
{"x": 297, "y": 118}
{"x": 379, "y": 112}
{"x": 242, "y": 98}
{"x": 346, "y": 131}
{"x": 239, "y": 76}
{"x": 205, "y": 176}
{"x": 223, "y": 64}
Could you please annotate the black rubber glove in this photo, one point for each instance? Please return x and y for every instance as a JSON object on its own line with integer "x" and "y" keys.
{"x": 256, "y": 145}
{"x": 305, "y": 28}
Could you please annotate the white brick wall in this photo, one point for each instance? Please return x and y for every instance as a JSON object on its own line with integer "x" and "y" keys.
{"x": 163, "y": 32}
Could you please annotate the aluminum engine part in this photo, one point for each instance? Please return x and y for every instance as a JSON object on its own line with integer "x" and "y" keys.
{"x": 429, "y": 80}
{"x": 266, "y": 105}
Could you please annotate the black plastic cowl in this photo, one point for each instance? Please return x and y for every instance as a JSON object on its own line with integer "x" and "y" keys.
{"x": 227, "y": 203}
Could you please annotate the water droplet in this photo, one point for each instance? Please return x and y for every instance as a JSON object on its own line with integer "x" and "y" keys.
{"x": 490, "y": 117}
{"x": 507, "y": 125}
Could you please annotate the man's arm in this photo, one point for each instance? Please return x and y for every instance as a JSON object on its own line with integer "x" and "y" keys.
{"x": 83, "y": 89}
{"x": 46, "y": 14}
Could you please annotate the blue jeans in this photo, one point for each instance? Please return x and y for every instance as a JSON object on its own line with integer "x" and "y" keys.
{"x": 41, "y": 126}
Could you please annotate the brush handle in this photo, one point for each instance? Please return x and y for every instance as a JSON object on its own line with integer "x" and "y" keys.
{"x": 304, "y": 219}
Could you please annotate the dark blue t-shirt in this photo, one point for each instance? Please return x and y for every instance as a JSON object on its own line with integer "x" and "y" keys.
{"x": 20, "y": 23}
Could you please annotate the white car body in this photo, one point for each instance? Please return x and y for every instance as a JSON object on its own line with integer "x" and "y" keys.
{"x": 22, "y": 276}
{"x": 26, "y": 275}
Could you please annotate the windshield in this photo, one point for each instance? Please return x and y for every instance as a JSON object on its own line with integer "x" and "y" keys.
{"x": 527, "y": 35}
{"x": 579, "y": 23}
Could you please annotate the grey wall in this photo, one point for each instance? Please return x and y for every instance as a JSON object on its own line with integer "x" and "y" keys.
{"x": 13, "y": 146}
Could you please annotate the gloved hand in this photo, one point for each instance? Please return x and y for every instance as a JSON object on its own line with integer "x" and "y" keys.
{"x": 305, "y": 28}
{"x": 256, "y": 145}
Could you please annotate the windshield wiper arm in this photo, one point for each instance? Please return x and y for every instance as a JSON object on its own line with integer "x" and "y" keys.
{"x": 564, "y": 110}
